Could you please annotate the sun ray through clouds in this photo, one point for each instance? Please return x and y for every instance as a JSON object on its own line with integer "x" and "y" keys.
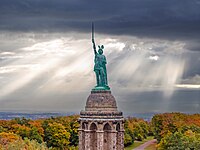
{"x": 36, "y": 60}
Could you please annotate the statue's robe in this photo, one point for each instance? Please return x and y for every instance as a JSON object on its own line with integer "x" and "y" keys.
{"x": 100, "y": 68}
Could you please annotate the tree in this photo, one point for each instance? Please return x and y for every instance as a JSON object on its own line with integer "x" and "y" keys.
{"x": 6, "y": 138}
{"x": 127, "y": 139}
{"x": 180, "y": 141}
{"x": 56, "y": 136}
{"x": 34, "y": 135}
{"x": 21, "y": 130}
{"x": 74, "y": 125}
{"x": 25, "y": 144}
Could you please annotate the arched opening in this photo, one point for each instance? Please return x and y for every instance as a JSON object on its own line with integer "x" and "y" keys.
{"x": 107, "y": 127}
{"x": 107, "y": 136}
{"x": 84, "y": 125}
{"x": 118, "y": 127}
{"x": 93, "y": 137}
{"x": 93, "y": 126}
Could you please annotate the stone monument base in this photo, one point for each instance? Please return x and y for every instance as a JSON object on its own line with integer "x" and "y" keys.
{"x": 101, "y": 124}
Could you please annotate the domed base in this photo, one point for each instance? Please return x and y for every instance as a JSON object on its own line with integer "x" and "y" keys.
{"x": 101, "y": 100}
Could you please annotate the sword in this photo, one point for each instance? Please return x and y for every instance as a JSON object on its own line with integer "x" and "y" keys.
{"x": 94, "y": 47}
{"x": 92, "y": 32}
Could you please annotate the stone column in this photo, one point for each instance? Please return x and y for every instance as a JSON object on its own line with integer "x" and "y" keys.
{"x": 121, "y": 140}
{"x": 114, "y": 140}
{"x": 87, "y": 140}
{"x": 100, "y": 139}
{"x": 80, "y": 144}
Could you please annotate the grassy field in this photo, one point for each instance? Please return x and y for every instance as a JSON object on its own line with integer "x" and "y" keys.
{"x": 138, "y": 143}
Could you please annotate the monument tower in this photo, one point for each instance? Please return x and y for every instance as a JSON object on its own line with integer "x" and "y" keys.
{"x": 101, "y": 124}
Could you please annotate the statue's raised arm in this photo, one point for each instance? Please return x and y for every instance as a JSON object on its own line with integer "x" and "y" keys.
{"x": 94, "y": 47}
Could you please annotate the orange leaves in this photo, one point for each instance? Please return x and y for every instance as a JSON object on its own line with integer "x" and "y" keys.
{"x": 57, "y": 132}
{"x": 6, "y": 138}
{"x": 37, "y": 124}
{"x": 177, "y": 130}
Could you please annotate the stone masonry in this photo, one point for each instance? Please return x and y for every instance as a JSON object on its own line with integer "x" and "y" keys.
{"x": 101, "y": 124}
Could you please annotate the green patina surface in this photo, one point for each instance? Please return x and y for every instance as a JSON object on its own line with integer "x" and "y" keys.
{"x": 99, "y": 88}
{"x": 99, "y": 66}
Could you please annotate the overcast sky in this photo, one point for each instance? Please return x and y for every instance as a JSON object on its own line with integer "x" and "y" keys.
{"x": 152, "y": 49}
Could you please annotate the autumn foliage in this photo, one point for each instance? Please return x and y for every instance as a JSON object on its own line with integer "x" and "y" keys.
{"x": 177, "y": 131}
{"x": 59, "y": 133}
{"x": 135, "y": 129}
{"x": 173, "y": 131}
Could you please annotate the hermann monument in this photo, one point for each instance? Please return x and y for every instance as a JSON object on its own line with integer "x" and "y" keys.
{"x": 101, "y": 124}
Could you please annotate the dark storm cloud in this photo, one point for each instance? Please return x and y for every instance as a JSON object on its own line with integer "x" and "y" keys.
{"x": 154, "y": 18}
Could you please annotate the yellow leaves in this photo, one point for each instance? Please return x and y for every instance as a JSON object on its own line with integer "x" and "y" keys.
{"x": 21, "y": 128}
{"x": 9, "y": 136}
{"x": 55, "y": 131}
{"x": 56, "y": 135}
{"x": 189, "y": 133}
{"x": 176, "y": 130}
{"x": 135, "y": 129}
{"x": 6, "y": 138}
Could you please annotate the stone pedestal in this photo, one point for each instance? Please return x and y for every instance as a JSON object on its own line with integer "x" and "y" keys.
{"x": 101, "y": 124}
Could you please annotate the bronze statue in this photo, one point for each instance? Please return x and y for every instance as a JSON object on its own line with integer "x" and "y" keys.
{"x": 100, "y": 66}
